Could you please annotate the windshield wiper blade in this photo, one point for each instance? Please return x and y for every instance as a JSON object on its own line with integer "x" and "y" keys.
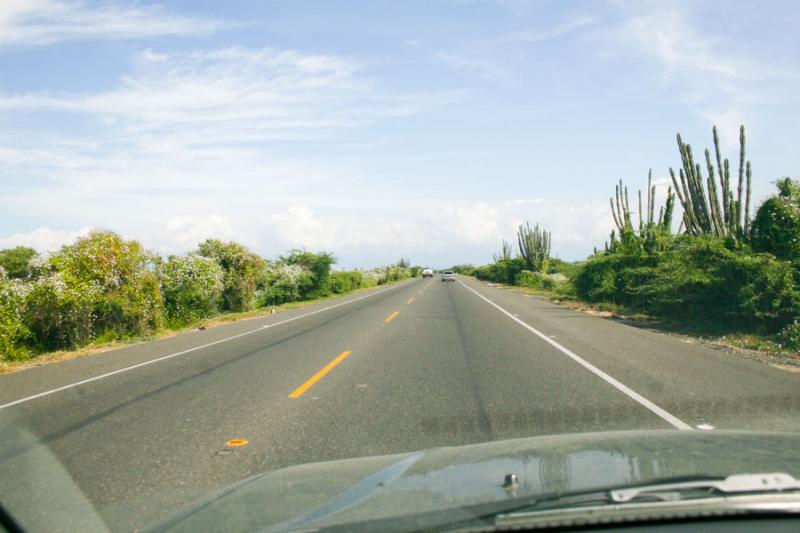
{"x": 667, "y": 490}
{"x": 735, "y": 484}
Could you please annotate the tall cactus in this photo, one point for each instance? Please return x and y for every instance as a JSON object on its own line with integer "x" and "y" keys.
{"x": 648, "y": 224}
{"x": 534, "y": 246}
{"x": 505, "y": 252}
{"x": 709, "y": 208}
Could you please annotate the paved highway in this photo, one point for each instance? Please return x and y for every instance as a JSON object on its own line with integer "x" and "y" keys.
{"x": 414, "y": 365}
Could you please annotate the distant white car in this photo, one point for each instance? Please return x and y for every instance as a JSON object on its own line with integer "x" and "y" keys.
{"x": 427, "y": 273}
{"x": 448, "y": 275}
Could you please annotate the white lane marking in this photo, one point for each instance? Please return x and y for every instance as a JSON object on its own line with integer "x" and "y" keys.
{"x": 176, "y": 354}
{"x": 706, "y": 427}
{"x": 675, "y": 421}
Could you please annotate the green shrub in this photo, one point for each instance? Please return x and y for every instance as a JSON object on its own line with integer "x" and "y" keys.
{"x": 789, "y": 336}
{"x": 241, "y": 269}
{"x": 103, "y": 257}
{"x": 127, "y": 298}
{"x": 135, "y": 309}
{"x": 467, "y": 270}
{"x": 318, "y": 265}
{"x": 696, "y": 277}
{"x": 342, "y": 282}
{"x": 776, "y": 227}
{"x": 282, "y": 283}
{"x": 559, "y": 266}
{"x": 192, "y": 288}
{"x": 535, "y": 280}
{"x": 60, "y": 312}
{"x": 598, "y": 279}
{"x": 15, "y": 261}
{"x": 370, "y": 278}
{"x": 504, "y": 270}
{"x": 393, "y": 273}
{"x": 13, "y": 333}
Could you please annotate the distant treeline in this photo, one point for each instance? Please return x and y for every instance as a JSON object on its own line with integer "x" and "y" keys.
{"x": 104, "y": 288}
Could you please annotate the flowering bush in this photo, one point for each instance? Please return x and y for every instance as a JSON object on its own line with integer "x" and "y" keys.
{"x": 241, "y": 269}
{"x": 281, "y": 283}
{"x": 12, "y": 328}
{"x": 103, "y": 257}
{"x": 61, "y": 313}
{"x": 192, "y": 288}
{"x": 103, "y": 286}
{"x": 789, "y": 337}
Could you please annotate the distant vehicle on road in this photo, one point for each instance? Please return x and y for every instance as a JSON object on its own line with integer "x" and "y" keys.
{"x": 448, "y": 275}
{"x": 427, "y": 273}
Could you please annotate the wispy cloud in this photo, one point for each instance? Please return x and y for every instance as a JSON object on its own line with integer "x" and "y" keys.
{"x": 190, "y": 138}
{"x": 720, "y": 85}
{"x": 492, "y": 58}
{"x": 235, "y": 95}
{"x": 44, "y": 22}
{"x": 567, "y": 26}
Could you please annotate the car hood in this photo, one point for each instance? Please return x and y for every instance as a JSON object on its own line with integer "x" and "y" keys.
{"x": 317, "y": 495}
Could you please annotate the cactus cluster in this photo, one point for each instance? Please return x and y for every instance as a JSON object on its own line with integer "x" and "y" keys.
{"x": 711, "y": 208}
{"x": 534, "y": 246}
{"x": 648, "y": 224}
{"x": 505, "y": 252}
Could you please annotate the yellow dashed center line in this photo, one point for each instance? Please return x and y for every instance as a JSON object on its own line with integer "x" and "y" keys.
{"x": 319, "y": 375}
{"x": 237, "y": 442}
{"x": 410, "y": 300}
{"x": 390, "y": 317}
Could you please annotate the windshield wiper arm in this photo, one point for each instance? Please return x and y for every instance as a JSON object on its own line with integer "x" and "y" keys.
{"x": 668, "y": 490}
{"x": 739, "y": 483}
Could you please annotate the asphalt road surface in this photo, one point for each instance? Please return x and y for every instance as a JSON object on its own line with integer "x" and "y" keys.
{"x": 414, "y": 365}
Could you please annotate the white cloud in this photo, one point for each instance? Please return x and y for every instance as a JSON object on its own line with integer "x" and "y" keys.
{"x": 43, "y": 22}
{"x": 462, "y": 230}
{"x": 44, "y": 239}
{"x": 186, "y": 232}
{"x": 443, "y": 225}
{"x": 472, "y": 223}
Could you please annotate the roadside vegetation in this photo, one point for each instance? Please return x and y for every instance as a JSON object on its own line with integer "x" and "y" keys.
{"x": 723, "y": 272}
{"x": 104, "y": 288}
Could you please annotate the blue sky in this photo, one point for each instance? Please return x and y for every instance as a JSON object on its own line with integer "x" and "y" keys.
{"x": 374, "y": 129}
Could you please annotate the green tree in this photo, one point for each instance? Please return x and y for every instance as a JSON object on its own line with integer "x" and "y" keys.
{"x": 15, "y": 261}
{"x": 241, "y": 268}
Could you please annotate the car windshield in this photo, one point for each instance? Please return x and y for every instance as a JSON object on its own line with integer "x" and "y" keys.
{"x": 285, "y": 265}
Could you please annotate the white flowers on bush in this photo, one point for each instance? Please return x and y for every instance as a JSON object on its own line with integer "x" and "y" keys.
{"x": 191, "y": 286}
{"x": 12, "y": 328}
